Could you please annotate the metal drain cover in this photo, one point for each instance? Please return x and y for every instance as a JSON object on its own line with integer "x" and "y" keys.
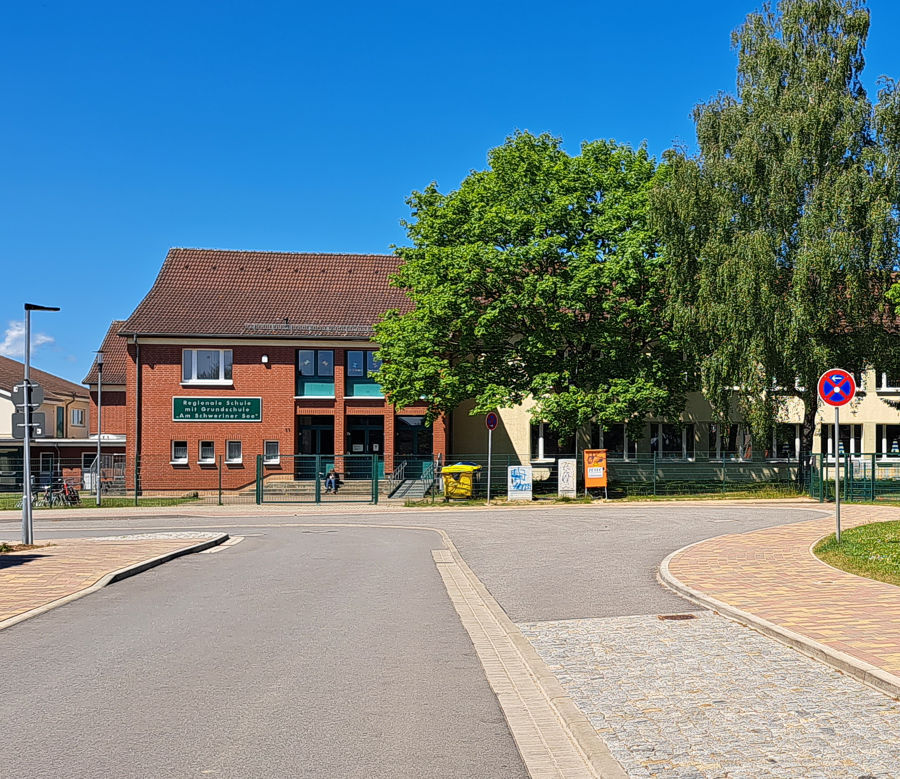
{"x": 676, "y": 616}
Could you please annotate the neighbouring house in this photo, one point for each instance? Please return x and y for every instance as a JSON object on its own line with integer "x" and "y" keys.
{"x": 64, "y": 449}
{"x": 242, "y": 361}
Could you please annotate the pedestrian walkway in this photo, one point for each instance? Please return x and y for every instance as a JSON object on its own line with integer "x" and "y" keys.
{"x": 58, "y": 571}
{"x": 771, "y": 580}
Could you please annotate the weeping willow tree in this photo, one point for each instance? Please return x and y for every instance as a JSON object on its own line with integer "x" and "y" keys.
{"x": 781, "y": 231}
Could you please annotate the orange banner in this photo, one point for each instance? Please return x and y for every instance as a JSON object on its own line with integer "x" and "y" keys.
{"x": 595, "y": 473}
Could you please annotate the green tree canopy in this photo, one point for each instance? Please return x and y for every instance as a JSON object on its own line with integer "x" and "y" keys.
{"x": 538, "y": 277}
{"x": 781, "y": 232}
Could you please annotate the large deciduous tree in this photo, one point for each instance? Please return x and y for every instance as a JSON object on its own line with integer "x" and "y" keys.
{"x": 781, "y": 231}
{"x": 539, "y": 277}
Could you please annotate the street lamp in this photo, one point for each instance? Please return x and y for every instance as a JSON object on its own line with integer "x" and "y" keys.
{"x": 27, "y": 522}
{"x": 99, "y": 416}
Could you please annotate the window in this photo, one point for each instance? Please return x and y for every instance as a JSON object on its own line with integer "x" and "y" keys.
{"x": 546, "y": 443}
{"x": 849, "y": 440}
{"x": 60, "y": 422}
{"x": 785, "y": 442}
{"x": 362, "y": 368}
{"x": 206, "y": 366}
{"x": 729, "y": 442}
{"x": 315, "y": 369}
{"x": 207, "y": 452}
{"x": 316, "y": 362}
{"x": 272, "y": 453}
{"x": 888, "y": 440}
{"x": 887, "y": 381}
{"x": 78, "y": 417}
{"x": 179, "y": 452}
{"x": 611, "y": 437}
{"x": 671, "y": 441}
{"x": 233, "y": 452}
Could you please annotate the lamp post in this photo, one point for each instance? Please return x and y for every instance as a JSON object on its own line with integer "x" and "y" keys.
{"x": 99, "y": 417}
{"x": 27, "y": 521}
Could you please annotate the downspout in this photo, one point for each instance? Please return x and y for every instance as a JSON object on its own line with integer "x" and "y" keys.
{"x": 66, "y": 417}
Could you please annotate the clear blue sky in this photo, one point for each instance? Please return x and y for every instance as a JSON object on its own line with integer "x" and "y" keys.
{"x": 130, "y": 128}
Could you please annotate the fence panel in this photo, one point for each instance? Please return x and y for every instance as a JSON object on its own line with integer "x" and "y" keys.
{"x": 306, "y": 478}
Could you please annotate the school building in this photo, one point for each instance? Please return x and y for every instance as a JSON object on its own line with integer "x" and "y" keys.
{"x": 235, "y": 354}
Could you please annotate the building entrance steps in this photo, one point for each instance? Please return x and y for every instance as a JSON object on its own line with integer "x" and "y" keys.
{"x": 769, "y": 579}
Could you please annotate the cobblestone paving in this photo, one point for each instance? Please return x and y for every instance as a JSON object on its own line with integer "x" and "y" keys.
{"x": 709, "y": 698}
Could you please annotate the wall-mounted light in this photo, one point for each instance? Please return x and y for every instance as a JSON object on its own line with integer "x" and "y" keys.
{"x": 265, "y": 359}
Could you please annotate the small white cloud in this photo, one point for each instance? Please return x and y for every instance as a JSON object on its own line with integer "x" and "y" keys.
{"x": 13, "y": 344}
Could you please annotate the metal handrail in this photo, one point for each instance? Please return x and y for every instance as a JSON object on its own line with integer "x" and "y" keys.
{"x": 397, "y": 477}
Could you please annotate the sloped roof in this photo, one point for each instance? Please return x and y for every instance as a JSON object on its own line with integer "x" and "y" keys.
{"x": 234, "y": 293}
{"x": 12, "y": 372}
{"x": 115, "y": 357}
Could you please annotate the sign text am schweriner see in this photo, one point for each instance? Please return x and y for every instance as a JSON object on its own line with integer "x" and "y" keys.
{"x": 217, "y": 409}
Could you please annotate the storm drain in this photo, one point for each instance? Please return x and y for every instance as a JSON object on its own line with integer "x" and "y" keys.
{"x": 676, "y": 616}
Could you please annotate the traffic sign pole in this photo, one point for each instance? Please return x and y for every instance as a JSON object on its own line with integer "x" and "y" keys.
{"x": 490, "y": 442}
{"x": 837, "y": 388}
{"x": 837, "y": 475}
{"x": 490, "y": 422}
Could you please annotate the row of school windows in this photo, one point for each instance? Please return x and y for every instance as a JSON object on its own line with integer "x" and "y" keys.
{"x": 234, "y": 453}
{"x": 315, "y": 370}
{"x": 723, "y": 442}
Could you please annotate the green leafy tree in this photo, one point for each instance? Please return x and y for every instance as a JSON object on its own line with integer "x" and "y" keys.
{"x": 539, "y": 277}
{"x": 781, "y": 232}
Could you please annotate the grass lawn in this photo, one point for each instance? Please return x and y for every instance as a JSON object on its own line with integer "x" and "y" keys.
{"x": 868, "y": 550}
{"x": 11, "y": 501}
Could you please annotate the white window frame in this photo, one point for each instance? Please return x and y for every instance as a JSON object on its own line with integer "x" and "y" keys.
{"x": 201, "y": 460}
{"x": 179, "y": 460}
{"x": 222, "y": 380}
{"x": 77, "y": 417}
{"x": 882, "y": 385}
{"x": 742, "y": 436}
{"x": 684, "y": 449}
{"x": 234, "y": 460}
{"x": 625, "y": 441}
{"x": 881, "y": 443}
{"x": 775, "y": 458}
{"x": 274, "y": 459}
{"x": 829, "y": 454}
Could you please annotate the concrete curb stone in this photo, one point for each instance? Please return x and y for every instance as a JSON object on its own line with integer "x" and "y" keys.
{"x": 115, "y": 576}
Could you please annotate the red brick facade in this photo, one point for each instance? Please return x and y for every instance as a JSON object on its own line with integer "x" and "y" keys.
{"x": 274, "y": 382}
{"x": 114, "y": 417}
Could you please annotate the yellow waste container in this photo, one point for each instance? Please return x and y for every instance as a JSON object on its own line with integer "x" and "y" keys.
{"x": 459, "y": 480}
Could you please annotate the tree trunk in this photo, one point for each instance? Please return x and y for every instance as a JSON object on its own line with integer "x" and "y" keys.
{"x": 807, "y": 436}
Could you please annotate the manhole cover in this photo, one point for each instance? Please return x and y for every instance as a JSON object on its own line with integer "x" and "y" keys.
{"x": 676, "y": 616}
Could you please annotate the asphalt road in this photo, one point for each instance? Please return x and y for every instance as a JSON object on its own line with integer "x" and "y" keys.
{"x": 299, "y": 653}
{"x": 320, "y": 651}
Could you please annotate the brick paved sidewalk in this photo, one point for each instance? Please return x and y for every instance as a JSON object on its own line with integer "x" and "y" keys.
{"x": 772, "y": 575}
{"x": 34, "y": 578}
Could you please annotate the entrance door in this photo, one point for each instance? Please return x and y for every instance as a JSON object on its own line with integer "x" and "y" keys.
{"x": 315, "y": 435}
{"x": 366, "y": 436}
{"x": 413, "y": 443}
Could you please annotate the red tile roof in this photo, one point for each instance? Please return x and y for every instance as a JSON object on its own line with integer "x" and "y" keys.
{"x": 12, "y": 372}
{"x": 232, "y": 293}
{"x": 115, "y": 357}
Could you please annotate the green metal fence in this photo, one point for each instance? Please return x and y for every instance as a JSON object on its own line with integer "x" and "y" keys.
{"x": 304, "y": 478}
{"x": 649, "y": 475}
{"x": 863, "y": 477}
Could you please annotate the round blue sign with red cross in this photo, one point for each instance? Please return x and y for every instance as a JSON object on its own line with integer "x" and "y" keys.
{"x": 837, "y": 387}
{"x": 491, "y": 421}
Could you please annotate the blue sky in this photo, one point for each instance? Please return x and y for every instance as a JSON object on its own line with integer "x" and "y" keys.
{"x": 130, "y": 128}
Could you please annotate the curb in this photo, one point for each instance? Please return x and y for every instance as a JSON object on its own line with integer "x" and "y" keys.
{"x": 579, "y": 727}
{"x": 860, "y": 670}
{"x": 115, "y": 576}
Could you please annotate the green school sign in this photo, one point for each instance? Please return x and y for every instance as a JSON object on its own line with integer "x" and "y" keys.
{"x": 217, "y": 409}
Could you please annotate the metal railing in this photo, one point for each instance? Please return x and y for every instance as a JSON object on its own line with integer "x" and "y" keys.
{"x": 863, "y": 477}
